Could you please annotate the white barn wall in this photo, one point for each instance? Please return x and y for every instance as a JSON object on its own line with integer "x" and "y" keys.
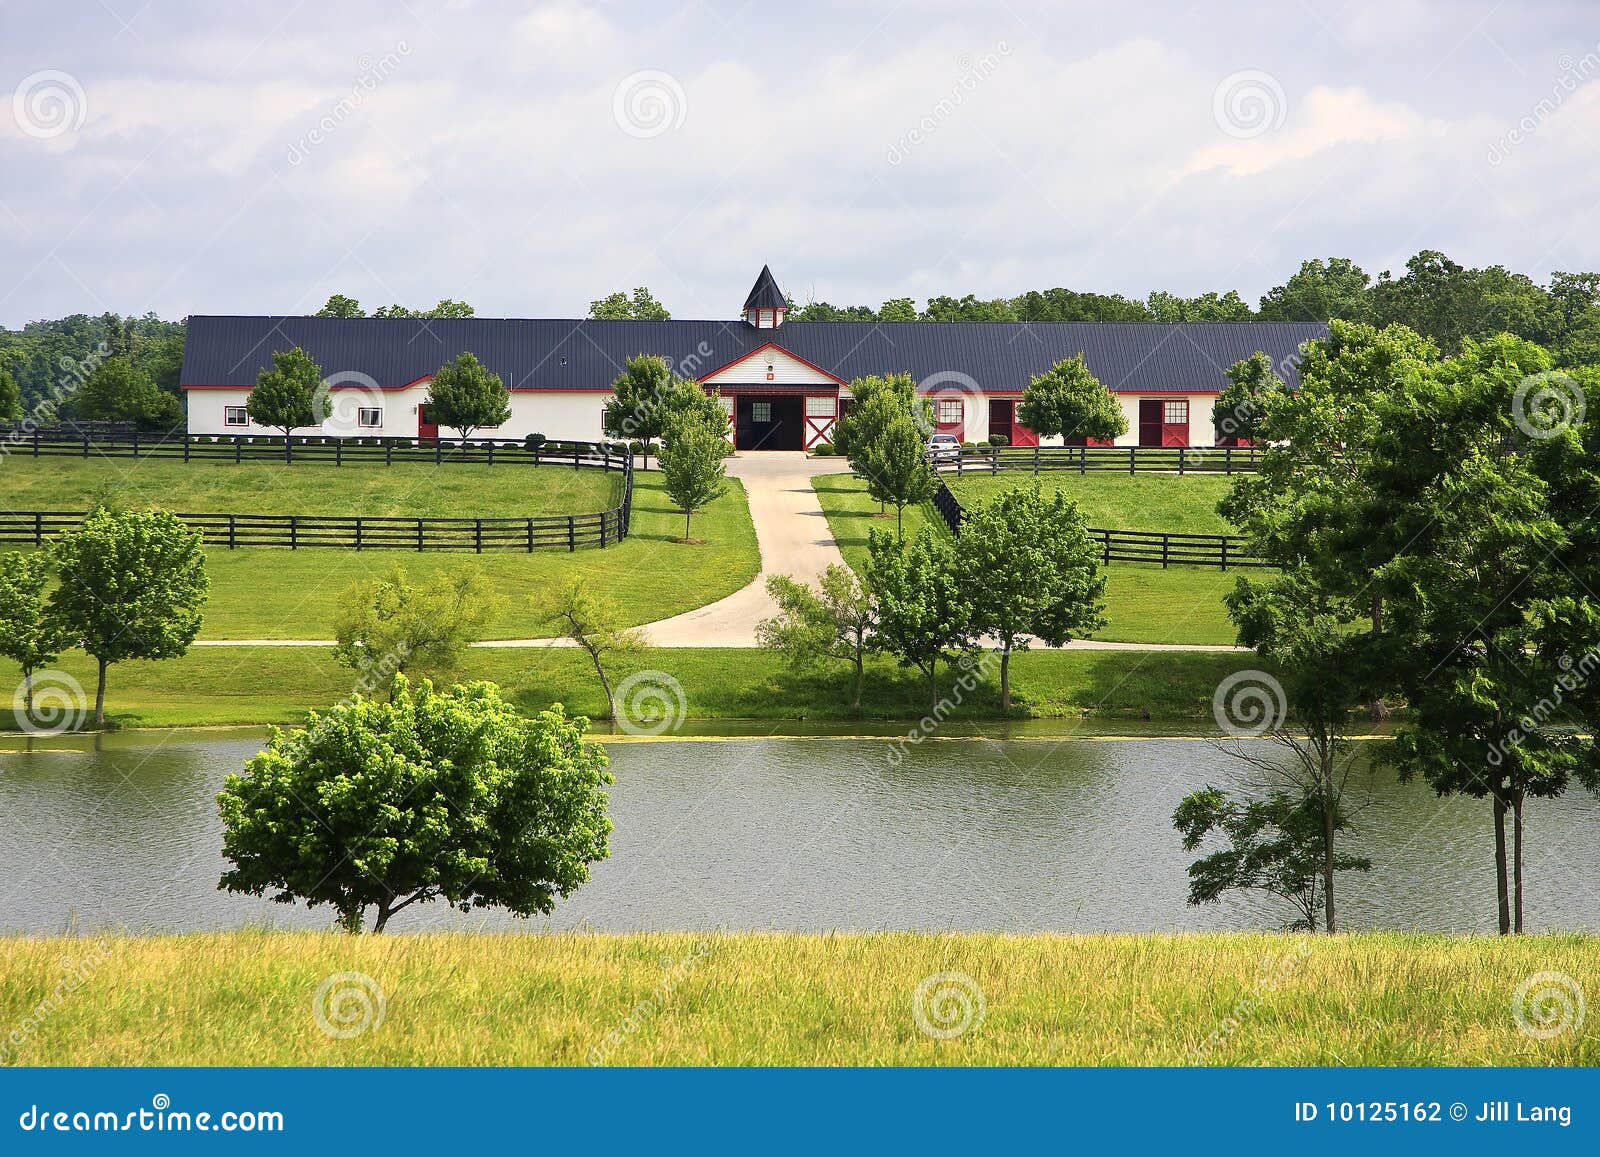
{"x": 751, "y": 370}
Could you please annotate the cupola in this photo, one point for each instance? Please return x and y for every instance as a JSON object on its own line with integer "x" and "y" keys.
{"x": 766, "y": 305}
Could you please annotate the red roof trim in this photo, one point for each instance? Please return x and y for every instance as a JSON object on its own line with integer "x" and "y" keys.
{"x": 772, "y": 345}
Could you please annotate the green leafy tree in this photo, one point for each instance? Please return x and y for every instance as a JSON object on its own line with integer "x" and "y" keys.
{"x": 131, "y": 585}
{"x": 647, "y": 396}
{"x": 161, "y": 359}
{"x": 10, "y": 395}
{"x": 1448, "y": 303}
{"x": 1070, "y": 305}
{"x": 968, "y": 308}
{"x": 339, "y": 305}
{"x": 619, "y": 306}
{"x": 445, "y": 308}
{"x": 1211, "y": 306}
{"x": 895, "y": 466}
{"x": 923, "y": 614}
{"x": 387, "y": 627}
{"x": 692, "y": 470}
{"x": 118, "y": 391}
{"x": 1241, "y": 407}
{"x": 1030, "y": 570}
{"x": 464, "y": 395}
{"x": 1273, "y": 846}
{"x": 594, "y": 623}
{"x": 898, "y": 309}
{"x": 1070, "y": 402}
{"x": 29, "y": 635}
{"x": 1321, "y": 291}
{"x": 452, "y": 796}
{"x": 834, "y": 621}
{"x": 875, "y": 402}
{"x": 289, "y": 395}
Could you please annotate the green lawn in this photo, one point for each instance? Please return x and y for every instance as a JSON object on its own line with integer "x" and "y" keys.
{"x": 246, "y": 998}
{"x": 1144, "y": 604}
{"x": 1174, "y": 503}
{"x": 282, "y": 594}
{"x": 407, "y": 490}
{"x": 213, "y": 686}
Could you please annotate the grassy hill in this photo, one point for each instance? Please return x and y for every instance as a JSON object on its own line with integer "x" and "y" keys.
{"x": 746, "y": 999}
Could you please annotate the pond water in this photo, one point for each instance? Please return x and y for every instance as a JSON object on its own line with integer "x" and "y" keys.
{"x": 1062, "y": 833}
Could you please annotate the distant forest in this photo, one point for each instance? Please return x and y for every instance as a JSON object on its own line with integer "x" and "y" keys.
{"x": 1434, "y": 296}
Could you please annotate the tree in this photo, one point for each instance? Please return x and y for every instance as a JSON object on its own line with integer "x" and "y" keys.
{"x": 1069, "y": 401}
{"x": 895, "y": 464}
{"x": 29, "y": 636}
{"x": 1070, "y": 305}
{"x": 1172, "y": 309}
{"x": 1321, "y": 291}
{"x": 692, "y": 470}
{"x": 118, "y": 391}
{"x": 10, "y": 395}
{"x": 647, "y": 395}
{"x": 289, "y": 395}
{"x": 835, "y": 621}
{"x": 131, "y": 586}
{"x": 923, "y": 614}
{"x": 1273, "y": 846}
{"x": 1443, "y": 301}
{"x": 898, "y": 309}
{"x": 1030, "y": 570}
{"x": 339, "y": 305}
{"x": 464, "y": 395}
{"x": 642, "y": 306}
{"x": 594, "y": 624}
{"x": 448, "y": 795}
{"x": 445, "y": 308}
{"x": 875, "y": 401}
{"x": 386, "y": 627}
{"x": 1241, "y": 407}
{"x": 968, "y": 308}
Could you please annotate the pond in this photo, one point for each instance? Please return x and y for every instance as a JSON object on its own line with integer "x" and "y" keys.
{"x": 1031, "y": 834}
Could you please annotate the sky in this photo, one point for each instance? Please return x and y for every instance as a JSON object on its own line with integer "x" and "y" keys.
{"x": 529, "y": 158}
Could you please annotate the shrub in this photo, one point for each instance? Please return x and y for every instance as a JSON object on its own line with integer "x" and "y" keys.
{"x": 999, "y": 440}
{"x": 823, "y": 450}
{"x": 534, "y": 441}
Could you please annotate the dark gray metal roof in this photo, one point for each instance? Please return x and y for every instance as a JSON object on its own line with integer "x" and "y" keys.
{"x": 1129, "y": 357}
{"x": 765, "y": 294}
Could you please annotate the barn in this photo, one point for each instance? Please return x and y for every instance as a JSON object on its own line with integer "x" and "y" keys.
{"x": 783, "y": 383}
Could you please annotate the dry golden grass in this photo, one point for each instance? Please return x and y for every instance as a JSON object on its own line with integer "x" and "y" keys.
{"x": 248, "y": 998}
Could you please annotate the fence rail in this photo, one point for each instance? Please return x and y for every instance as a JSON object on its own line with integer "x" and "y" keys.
{"x": 296, "y": 531}
{"x": 1105, "y": 459}
{"x": 1219, "y": 550}
{"x": 107, "y": 442}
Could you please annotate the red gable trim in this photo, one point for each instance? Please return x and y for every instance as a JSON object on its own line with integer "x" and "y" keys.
{"x": 772, "y": 345}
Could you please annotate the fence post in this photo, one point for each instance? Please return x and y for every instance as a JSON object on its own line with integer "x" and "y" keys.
{"x": 1132, "y": 466}
{"x": 1083, "y": 458}
{"x": 338, "y": 451}
{"x": 477, "y": 535}
{"x": 38, "y": 528}
{"x": 388, "y": 452}
{"x": 536, "y": 446}
{"x": 1106, "y": 539}
{"x": 1036, "y": 457}
{"x": 438, "y": 450}
{"x": 530, "y": 536}
{"x": 186, "y": 447}
{"x": 238, "y": 449}
{"x": 572, "y": 534}
{"x": 576, "y": 450}
{"x": 1165, "y": 542}
{"x": 36, "y": 441}
{"x": 994, "y": 460}
{"x": 1224, "y": 552}
{"x": 136, "y": 441}
{"x": 419, "y": 535}
{"x": 86, "y": 443}
{"x": 1180, "y": 461}
{"x": 233, "y": 532}
{"x": 1227, "y": 459}
{"x": 294, "y": 532}
{"x": 358, "y": 534}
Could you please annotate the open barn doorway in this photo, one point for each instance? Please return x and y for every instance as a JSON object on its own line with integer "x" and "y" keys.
{"x": 769, "y": 423}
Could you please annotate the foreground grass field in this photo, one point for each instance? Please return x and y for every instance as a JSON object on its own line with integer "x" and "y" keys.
{"x": 405, "y": 490}
{"x": 214, "y": 686}
{"x": 1174, "y": 503}
{"x": 753, "y": 999}
{"x": 1144, "y": 604}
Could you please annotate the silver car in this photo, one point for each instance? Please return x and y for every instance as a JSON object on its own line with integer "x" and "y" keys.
{"x": 943, "y": 448}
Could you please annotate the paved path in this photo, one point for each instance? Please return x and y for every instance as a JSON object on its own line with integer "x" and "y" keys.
{"x": 794, "y": 538}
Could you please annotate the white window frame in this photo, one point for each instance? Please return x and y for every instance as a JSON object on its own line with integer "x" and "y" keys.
{"x": 361, "y": 417}
{"x": 1169, "y": 405}
{"x": 761, "y": 412}
{"x": 229, "y": 411}
{"x": 820, "y": 406}
{"x": 947, "y": 406}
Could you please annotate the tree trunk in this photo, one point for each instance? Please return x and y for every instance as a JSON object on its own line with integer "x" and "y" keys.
{"x": 100, "y": 697}
{"x": 899, "y": 521}
{"x": 1005, "y": 678}
{"x": 861, "y": 675}
{"x": 383, "y": 918}
{"x": 27, "y": 694}
{"x": 1326, "y": 757}
{"x": 686, "y": 526}
{"x": 1516, "y": 861}
{"x": 611, "y": 700}
{"x": 933, "y": 685}
{"x": 287, "y": 438}
{"x": 1500, "y": 861}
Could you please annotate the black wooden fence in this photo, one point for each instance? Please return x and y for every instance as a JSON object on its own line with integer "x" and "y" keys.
{"x": 128, "y": 442}
{"x": 1106, "y": 459}
{"x": 1223, "y": 550}
{"x": 537, "y": 532}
